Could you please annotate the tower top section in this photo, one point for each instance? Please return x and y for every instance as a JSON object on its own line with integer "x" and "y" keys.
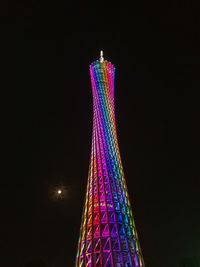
{"x": 101, "y": 62}
{"x": 101, "y": 56}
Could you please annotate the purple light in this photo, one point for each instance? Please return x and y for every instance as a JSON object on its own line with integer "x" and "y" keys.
{"x": 108, "y": 236}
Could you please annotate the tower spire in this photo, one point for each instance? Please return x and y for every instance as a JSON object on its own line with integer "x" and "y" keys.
{"x": 101, "y": 56}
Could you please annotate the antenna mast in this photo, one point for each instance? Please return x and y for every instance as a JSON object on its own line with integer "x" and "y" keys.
{"x": 101, "y": 56}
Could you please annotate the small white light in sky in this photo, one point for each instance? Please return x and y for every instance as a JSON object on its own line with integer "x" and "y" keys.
{"x": 59, "y": 192}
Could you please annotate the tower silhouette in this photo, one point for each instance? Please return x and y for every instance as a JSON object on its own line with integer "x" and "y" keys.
{"x": 108, "y": 236}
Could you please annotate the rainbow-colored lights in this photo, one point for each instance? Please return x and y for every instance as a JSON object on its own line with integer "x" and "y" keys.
{"x": 108, "y": 237}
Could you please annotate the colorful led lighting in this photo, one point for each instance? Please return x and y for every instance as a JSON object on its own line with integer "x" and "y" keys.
{"x": 108, "y": 236}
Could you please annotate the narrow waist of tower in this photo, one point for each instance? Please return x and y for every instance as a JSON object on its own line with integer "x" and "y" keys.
{"x": 102, "y": 78}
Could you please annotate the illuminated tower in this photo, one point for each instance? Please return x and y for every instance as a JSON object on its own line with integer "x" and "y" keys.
{"x": 108, "y": 236}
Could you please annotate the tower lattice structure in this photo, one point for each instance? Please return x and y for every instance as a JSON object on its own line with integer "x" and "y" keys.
{"x": 108, "y": 236}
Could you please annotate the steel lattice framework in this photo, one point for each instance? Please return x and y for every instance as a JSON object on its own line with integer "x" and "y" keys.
{"x": 108, "y": 236}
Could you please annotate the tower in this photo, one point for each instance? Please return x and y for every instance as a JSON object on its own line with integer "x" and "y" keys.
{"x": 108, "y": 236}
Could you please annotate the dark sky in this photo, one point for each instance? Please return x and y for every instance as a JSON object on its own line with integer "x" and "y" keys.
{"x": 47, "y": 47}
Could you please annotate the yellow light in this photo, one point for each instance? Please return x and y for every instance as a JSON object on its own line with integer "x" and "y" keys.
{"x": 59, "y": 192}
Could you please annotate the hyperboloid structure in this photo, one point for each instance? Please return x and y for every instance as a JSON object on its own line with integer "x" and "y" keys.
{"x": 108, "y": 236}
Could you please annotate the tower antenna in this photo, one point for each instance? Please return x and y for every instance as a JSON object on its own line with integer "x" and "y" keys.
{"x": 101, "y": 56}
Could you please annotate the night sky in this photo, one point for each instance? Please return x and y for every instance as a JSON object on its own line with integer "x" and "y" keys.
{"x": 47, "y": 125}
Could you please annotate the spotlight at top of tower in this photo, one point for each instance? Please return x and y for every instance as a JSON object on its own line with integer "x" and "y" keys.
{"x": 101, "y": 56}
